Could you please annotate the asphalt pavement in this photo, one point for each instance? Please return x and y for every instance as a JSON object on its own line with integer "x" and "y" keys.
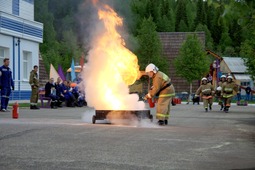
{"x": 65, "y": 138}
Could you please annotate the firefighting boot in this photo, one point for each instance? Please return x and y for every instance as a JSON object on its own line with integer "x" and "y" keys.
{"x": 161, "y": 122}
{"x": 206, "y": 109}
{"x": 221, "y": 108}
{"x": 166, "y": 122}
{"x": 226, "y": 110}
{"x": 210, "y": 107}
{"x": 36, "y": 107}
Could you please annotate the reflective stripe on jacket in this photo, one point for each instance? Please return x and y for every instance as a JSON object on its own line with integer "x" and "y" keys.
{"x": 160, "y": 80}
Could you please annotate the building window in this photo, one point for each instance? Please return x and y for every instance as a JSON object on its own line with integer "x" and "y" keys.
{"x": 1, "y": 56}
{"x": 245, "y": 83}
{"x": 15, "y": 7}
{"x": 27, "y": 57}
{"x": 4, "y": 53}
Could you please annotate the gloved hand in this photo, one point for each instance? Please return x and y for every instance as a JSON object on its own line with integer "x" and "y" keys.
{"x": 13, "y": 88}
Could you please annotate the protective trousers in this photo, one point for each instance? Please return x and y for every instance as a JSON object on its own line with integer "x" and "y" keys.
{"x": 34, "y": 96}
{"x": 163, "y": 108}
{"x": 206, "y": 102}
{"x": 227, "y": 102}
{"x": 5, "y": 93}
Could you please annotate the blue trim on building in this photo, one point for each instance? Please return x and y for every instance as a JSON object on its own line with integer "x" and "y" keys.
{"x": 20, "y": 95}
{"x": 13, "y": 55}
{"x": 15, "y": 7}
{"x": 19, "y": 63}
{"x": 20, "y": 27}
{"x": 29, "y": 1}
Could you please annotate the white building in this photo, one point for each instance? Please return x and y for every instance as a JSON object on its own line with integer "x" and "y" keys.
{"x": 236, "y": 67}
{"x": 20, "y": 36}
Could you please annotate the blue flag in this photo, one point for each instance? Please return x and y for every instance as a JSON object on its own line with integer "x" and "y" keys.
{"x": 73, "y": 77}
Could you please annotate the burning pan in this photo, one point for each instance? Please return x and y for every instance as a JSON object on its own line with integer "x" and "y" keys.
{"x": 122, "y": 114}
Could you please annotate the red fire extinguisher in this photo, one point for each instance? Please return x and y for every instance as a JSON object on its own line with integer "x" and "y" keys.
{"x": 151, "y": 103}
{"x": 15, "y": 111}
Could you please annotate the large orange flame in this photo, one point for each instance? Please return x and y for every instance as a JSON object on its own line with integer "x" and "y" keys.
{"x": 111, "y": 66}
{"x": 123, "y": 60}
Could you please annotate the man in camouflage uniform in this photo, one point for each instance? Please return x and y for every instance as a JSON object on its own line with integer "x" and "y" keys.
{"x": 206, "y": 89}
{"x": 227, "y": 92}
{"x": 34, "y": 82}
{"x": 162, "y": 88}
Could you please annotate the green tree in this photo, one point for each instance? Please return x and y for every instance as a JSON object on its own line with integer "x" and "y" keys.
{"x": 191, "y": 15}
{"x": 225, "y": 40}
{"x": 191, "y": 62}
{"x": 200, "y": 14}
{"x": 208, "y": 37}
{"x": 248, "y": 53}
{"x": 181, "y": 14}
{"x": 49, "y": 47}
{"x": 150, "y": 50}
{"x": 182, "y": 27}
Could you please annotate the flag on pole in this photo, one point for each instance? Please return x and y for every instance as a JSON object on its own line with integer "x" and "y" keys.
{"x": 53, "y": 73}
{"x": 61, "y": 73}
{"x": 72, "y": 71}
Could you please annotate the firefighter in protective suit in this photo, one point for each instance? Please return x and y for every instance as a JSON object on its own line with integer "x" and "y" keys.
{"x": 206, "y": 89}
{"x": 162, "y": 88}
{"x": 222, "y": 80}
{"x": 227, "y": 92}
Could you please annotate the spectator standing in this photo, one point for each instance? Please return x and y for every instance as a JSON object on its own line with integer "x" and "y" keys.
{"x": 34, "y": 83}
{"x": 239, "y": 93}
{"x": 6, "y": 84}
{"x": 248, "y": 92}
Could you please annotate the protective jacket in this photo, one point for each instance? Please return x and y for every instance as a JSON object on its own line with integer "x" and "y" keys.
{"x": 160, "y": 80}
{"x": 6, "y": 77}
{"x": 205, "y": 89}
{"x": 228, "y": 89}
{"x": 33, "y": 79}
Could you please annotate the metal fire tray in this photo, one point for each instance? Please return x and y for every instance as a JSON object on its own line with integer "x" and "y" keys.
{"x": 125, "y": 114}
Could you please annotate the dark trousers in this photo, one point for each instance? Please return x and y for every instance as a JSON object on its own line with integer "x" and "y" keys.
{"x": 5, "y": 93}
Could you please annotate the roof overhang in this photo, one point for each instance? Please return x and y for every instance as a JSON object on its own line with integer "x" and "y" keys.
{"x": 242, "y": 77}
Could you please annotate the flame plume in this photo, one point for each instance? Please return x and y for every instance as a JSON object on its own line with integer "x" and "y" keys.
{"x": 111, "y": 67}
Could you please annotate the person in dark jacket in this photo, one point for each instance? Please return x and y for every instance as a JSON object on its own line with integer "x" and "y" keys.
{"x": 69, "y": 97}
{"x": 248, "y": 93}
{"x": 59, "y": 94}
{"x": 6, "y": 84}
{"x": 50, "y": 91}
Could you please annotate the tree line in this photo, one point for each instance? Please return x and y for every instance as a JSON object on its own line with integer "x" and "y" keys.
{"x": 229, "y": 26}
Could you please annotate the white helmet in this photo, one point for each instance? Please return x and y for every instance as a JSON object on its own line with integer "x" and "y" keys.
{"x": 204, "y": 79}
{"x": 218, "y": 88}
{"x": 230, "y": 77}
{"x": 223, "y": 76}
{"x": 151, "y": 67}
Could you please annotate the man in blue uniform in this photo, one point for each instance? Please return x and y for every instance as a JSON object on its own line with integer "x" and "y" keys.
{"x": 6, "y": 84}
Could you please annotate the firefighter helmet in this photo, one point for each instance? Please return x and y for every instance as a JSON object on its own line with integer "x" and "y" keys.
{"x": 204, "y": 79}
{"x": 223, "y": 76}
{"x": 151, "y": 67}
{"x": 218, "y": 88}
{"x": 230, "y": 77}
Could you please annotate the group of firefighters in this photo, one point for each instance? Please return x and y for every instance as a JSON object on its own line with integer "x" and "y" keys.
{"x": 163, "y": 90}
{"x": 224, "y": 92}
